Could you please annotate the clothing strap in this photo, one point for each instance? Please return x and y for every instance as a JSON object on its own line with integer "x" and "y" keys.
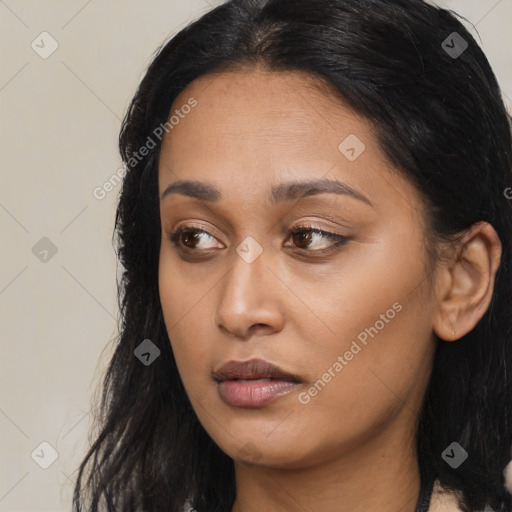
{"x": 426, "y": 490}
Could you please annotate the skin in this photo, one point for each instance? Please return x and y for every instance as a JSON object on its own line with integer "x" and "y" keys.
{"x": 351, "y": 447}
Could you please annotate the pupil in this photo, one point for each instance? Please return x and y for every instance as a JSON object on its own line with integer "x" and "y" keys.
{"x": 304, "y": 237}
{"x": 186, "y": 235}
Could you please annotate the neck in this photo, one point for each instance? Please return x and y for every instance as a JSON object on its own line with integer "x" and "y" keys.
{"x": 381, "y": 474}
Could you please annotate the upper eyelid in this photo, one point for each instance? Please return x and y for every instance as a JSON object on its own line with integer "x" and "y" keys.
{"x": 306, "y": 227}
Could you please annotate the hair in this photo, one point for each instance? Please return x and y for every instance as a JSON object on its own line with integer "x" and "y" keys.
{"x": 441, "y": 121}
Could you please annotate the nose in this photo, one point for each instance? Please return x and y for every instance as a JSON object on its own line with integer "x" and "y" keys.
{"x": 249, "y": 300}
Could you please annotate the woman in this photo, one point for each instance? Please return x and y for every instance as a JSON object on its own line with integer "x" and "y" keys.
{"x": 316, "y": 302}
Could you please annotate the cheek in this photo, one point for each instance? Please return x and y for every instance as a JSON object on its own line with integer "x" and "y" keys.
{"x": 183, "y": 305}
{"x": 373, "y": 342}
{"x": 183, "y": 292}
{"x": 382, "y": 355}
{"x": 370, "y": 386}
{"x": 372, "y": 294}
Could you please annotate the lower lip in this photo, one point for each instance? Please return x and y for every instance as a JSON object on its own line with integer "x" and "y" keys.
{"x": 253, "y": 393}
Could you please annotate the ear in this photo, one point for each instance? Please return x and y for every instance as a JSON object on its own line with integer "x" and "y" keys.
{"x": 465, "y": 282}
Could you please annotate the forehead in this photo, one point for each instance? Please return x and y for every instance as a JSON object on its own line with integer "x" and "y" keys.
{"x": 251, "y": 128}
{"x": 246, "y": 108}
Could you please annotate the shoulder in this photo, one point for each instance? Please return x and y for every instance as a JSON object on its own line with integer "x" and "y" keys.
{"x": 443, "y": 501}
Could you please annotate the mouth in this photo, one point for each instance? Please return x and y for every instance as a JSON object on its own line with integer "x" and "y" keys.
{"x": 253, "y": 383}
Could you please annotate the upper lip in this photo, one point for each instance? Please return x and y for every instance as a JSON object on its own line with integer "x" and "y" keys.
{"x": 251, "y": 370}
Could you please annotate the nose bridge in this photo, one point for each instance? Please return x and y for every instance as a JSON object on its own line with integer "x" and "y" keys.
{"x": 246, "y": 298}
{"x": 243, "y": 290}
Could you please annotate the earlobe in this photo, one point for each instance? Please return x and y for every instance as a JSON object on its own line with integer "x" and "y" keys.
{"x": 465, "y": 284}
{"x": 445, "y": 325}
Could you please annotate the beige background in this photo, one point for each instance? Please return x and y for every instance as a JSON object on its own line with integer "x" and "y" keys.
{"x": 59, "y": 122}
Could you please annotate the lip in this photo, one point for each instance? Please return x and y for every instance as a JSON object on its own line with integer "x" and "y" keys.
{"x": 253, "y": 383}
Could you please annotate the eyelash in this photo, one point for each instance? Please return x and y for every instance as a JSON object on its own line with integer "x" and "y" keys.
{"x": 338, "y": 240}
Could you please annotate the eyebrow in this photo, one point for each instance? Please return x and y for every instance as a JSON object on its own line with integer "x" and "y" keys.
{"x": 283, "y": 192}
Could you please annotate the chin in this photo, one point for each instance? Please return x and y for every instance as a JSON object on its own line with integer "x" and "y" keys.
{"x": 282, "y": 451}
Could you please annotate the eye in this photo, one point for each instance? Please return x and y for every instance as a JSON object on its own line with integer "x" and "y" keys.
{"x": 190, "y": 238}
{"x": 304, "y": 236}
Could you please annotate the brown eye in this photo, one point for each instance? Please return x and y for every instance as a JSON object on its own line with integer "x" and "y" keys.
{"x": 304, "y": 236}
{"x": 189, "y": 238}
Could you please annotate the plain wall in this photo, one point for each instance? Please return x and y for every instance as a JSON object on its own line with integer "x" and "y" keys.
{"x": 59, "y": 122}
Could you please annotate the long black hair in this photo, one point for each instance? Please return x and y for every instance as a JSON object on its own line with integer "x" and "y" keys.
{"x": 440, "y": 119}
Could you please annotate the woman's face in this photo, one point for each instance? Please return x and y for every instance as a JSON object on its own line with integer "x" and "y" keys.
{"x": 347, "y": 318}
